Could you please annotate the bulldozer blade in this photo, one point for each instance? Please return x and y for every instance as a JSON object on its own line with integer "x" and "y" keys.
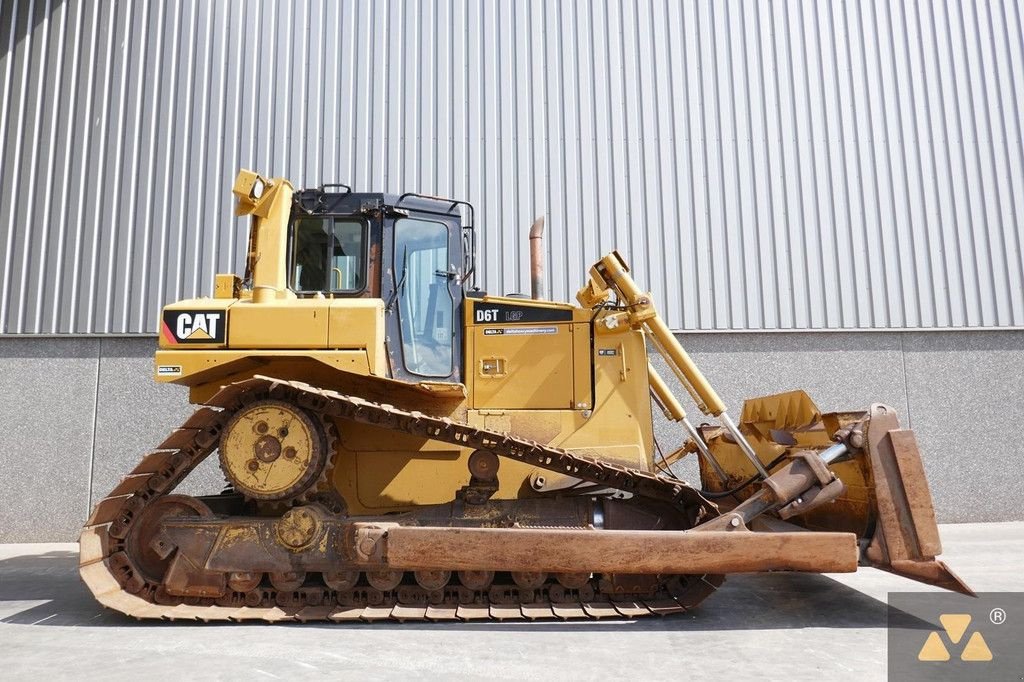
{"x": 906, "y": 538}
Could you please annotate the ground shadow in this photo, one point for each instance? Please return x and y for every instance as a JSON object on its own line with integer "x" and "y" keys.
{"x": 766, "y": 601}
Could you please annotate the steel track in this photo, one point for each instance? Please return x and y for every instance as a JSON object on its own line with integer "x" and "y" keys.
{"x": 111, "y": 575}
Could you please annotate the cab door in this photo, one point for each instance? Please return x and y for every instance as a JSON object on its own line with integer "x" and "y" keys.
{"x": 425, "y": 298}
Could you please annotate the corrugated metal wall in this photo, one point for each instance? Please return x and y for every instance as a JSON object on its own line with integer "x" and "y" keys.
{"x": 763, "y": 164}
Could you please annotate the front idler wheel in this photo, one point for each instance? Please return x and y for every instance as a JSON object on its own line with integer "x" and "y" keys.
{"x": 143, "y": 544}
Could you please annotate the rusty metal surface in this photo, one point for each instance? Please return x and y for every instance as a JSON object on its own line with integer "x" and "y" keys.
{"x": 615, "y": 551}
{"x": 906, "y": 539}
{"x": 918, "y": 495}
{"x": 887, "y": 499}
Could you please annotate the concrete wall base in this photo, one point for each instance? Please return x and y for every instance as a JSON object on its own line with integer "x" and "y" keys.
{"x": 78, "y": 413}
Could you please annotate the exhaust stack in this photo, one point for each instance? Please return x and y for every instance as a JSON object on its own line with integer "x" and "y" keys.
{"x": 537, "y": 259}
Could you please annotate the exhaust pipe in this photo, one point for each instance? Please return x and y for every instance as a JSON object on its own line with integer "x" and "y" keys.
{"x": 537, "y": 259}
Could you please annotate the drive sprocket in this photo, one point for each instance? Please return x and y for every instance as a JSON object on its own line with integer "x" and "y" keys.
{"x": 273, "y": 451}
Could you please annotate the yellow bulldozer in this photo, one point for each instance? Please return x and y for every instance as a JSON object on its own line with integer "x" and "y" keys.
{"x": 399, "y": 444}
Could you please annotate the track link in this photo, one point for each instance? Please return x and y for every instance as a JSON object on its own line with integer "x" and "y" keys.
{"x": 111, "y": 575}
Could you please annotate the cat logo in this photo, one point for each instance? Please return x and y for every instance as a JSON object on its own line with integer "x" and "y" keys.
{"x": 194, "y": 326}
{"x": 955, "y": 625}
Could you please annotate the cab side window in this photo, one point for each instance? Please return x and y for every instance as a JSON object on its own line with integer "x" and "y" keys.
{"x": 328, "y": 255}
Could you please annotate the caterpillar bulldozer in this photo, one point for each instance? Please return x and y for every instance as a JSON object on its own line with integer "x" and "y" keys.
{"x": 398, "y": 444}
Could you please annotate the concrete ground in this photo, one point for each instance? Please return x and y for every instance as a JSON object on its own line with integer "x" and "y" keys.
{"x": 772, "y": 626}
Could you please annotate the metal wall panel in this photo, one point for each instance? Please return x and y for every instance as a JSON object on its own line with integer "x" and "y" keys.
{"x": 764, "y": 165}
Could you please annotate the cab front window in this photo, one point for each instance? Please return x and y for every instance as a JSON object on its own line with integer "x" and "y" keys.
{"x": 328, "y": 255}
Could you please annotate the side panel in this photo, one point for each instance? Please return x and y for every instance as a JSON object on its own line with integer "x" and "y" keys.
{"x": 358, "y": 323}
{"x": 294, "y": 323}
{"x": 528, "y": 355}
{"x": 622, "y": 400}
{"x": 525, "y": 367}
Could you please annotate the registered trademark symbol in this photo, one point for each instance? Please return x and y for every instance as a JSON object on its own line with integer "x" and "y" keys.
{"x": 997, "y": 616}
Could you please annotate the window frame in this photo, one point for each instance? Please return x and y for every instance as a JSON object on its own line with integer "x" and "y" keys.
{"x": 291, "y": 255}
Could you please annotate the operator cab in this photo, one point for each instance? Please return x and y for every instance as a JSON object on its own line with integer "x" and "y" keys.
{"x": 413, "y": 252}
